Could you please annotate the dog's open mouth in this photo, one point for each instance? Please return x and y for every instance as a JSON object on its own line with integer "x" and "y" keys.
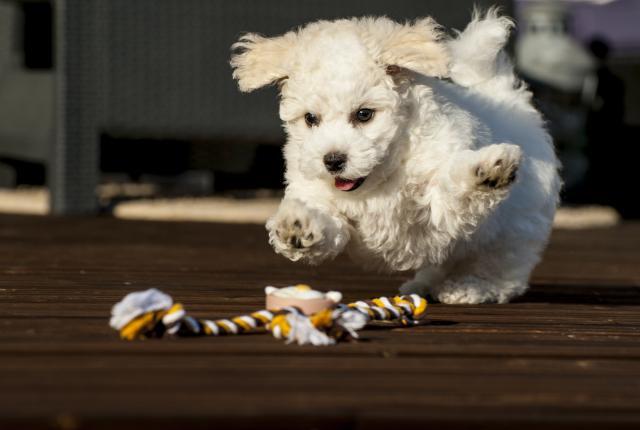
{"x": 348, "y": 184}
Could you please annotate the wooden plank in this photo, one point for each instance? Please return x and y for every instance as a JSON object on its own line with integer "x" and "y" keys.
{"x": 565, "y": 355}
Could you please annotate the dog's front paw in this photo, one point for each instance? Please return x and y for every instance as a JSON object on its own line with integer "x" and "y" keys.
{"x": 497, "y": 166}
{"x": 302, "y": 233}
{"x": 295, "y": 234}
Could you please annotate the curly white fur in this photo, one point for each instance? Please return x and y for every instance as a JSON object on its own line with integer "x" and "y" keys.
{"x": 440, "y": 158}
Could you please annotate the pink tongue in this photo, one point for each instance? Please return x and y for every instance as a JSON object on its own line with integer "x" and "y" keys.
{"x": 344, "y": 184}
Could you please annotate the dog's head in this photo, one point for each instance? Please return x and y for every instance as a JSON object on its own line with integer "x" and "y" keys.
{"x": 342, "y": 85}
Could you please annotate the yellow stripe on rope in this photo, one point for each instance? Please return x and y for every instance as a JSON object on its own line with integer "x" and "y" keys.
{"x": 322, "y": 319}
{"x": 419, "y": 309}
{"x": 242, "y": 323}
{"x": 226, "y": 326}
{"x": 379, "y": 303}
{"x": 206, "y": 329}
{"x": 177, "y": 307}
{"x": 281, "y": 322}
{"x": 260, "y": 317}
{"x": 141, "y": 324}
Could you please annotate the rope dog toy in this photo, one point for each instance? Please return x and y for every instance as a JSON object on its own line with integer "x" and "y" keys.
{"x": 295, "y": 314}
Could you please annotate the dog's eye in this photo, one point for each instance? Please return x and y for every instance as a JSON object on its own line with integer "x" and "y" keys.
{"x": 364, "y": 115}
{"x": 311, "y": 119}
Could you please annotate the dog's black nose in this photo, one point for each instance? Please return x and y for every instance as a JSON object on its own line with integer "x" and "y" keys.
{"x": 335, "y": 161}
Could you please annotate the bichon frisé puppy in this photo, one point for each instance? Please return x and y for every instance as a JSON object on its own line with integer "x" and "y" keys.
{"x": 411, "y": 151}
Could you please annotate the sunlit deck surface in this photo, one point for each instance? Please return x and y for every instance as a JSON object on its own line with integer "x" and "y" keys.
{"x": 566, "y": 355}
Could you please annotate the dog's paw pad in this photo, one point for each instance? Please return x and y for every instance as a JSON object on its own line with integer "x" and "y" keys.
{"x": 499, "y": 168}
{"x": 298, "y": 233}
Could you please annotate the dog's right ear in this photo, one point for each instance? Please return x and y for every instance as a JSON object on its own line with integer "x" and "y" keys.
{"x": 258, "y": 61}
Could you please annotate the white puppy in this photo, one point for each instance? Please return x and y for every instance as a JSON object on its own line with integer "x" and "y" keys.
{"x": 456, "y": 179}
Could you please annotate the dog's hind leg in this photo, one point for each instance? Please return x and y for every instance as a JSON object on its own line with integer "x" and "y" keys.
{"x": 495, "y": 273}
{"x": 490, "y": 276}
{"x": 423, "y": 280}
{"x": 475, "y": 290}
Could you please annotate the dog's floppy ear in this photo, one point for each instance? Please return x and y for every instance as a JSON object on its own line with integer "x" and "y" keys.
{"x": 258, "y": 61}
{"x": 414, "y": 46}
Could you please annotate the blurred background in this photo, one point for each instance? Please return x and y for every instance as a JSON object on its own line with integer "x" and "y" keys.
{"x": 127, "y": 107}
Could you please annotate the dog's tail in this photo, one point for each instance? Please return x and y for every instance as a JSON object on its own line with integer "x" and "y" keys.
{"x": 477, "y": 54}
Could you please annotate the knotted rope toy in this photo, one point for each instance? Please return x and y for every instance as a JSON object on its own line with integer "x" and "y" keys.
{"x": 296, "y": 314}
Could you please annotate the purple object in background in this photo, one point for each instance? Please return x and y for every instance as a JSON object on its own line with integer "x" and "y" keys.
{"x": 618, "y": 22}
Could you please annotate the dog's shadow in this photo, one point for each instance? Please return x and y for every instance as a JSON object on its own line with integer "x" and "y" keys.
{"x": 610, "y": 295}
{"x": 385, "y": 326}
{"x": 576, "y": 294}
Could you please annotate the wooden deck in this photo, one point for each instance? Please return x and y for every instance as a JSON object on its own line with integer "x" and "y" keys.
{"x": 566, "y": 355}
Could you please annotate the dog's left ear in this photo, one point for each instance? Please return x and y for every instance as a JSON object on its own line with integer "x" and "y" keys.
{"x": 258, "y": 61}
{"x": 414, "y": 46}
